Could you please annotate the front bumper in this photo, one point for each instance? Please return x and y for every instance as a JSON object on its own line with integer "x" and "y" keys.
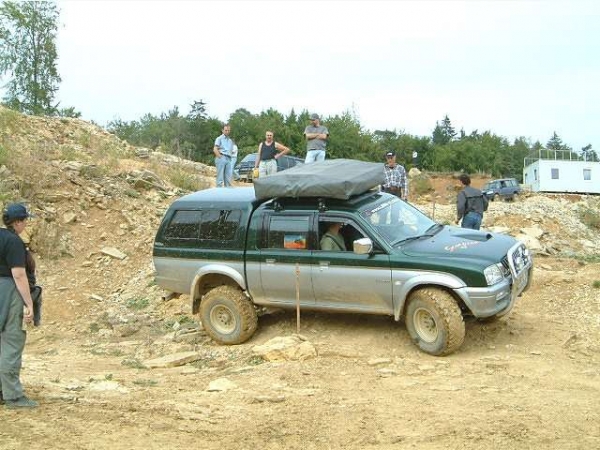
{"x": 499, "y": 299}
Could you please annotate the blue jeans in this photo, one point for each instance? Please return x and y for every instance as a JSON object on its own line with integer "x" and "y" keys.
{"x": 472, "y": 220}
{"x": 224, "y": 171}
{"x": 231, "y": 168}
{"x": 314, "y": 155}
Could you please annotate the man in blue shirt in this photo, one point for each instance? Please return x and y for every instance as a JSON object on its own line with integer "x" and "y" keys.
{"x": 223, "y": 151}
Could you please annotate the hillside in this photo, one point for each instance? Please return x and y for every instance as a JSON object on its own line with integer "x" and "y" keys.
{"x": 528, "y": 380}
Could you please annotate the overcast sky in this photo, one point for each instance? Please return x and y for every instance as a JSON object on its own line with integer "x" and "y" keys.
{"x": 516, "y": 68}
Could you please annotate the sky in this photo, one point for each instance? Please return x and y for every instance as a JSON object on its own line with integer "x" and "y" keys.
{"x": 515, "y": 68}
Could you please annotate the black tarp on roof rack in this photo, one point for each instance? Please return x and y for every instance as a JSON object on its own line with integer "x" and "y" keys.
{"x": 333, "y": 178}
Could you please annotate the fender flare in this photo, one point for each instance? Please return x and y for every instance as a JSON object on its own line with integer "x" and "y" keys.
{"x": 434, "y": 279}
{"x": 216, "y": 269}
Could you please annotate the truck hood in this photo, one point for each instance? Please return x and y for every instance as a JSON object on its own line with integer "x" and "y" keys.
{"x": 464, "y": 243}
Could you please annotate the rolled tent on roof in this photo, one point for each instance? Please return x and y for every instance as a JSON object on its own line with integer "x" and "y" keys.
{"x": 333, "y": 178}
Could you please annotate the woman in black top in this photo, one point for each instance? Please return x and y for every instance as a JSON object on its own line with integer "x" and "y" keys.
{"x": 268, "y": 153}
{"x": 14, "y": 293}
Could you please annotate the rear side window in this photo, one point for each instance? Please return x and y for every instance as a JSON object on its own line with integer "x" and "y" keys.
{"x": 208, "y": 225}
{"x": 289, "y": 232}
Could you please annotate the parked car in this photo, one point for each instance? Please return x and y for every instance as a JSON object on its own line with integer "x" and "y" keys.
{"x": 505, "y": 188}
{"x": 243, "y": 170}
{"x": 239, "y": 253}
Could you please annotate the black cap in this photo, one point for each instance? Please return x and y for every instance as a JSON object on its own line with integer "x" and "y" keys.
{"x": 390, "y": 154}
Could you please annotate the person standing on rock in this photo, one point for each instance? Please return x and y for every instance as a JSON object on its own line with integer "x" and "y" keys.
{"x": 470, "y": 204}
{"x": 268, "y": 153}
{"x": 316, "y": 140}
{"x": 223, "y": 151}
{"x": 233, "y": 162}
{"x": 16, "y": 305}
{"x": 396, "y": 180}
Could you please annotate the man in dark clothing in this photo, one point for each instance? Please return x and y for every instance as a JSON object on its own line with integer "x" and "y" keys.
{"x": 16, "y": 304}
{"x": 470, "y": 204}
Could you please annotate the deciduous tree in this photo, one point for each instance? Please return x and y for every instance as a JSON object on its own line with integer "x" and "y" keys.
{"x": 28, "y": 55}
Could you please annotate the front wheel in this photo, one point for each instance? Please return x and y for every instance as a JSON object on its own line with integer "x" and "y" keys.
{"x": 434, "y": 321}
{"x": 228, "y": 316}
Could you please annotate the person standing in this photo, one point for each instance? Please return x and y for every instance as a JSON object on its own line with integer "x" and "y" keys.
{"x": 234, "y": 156}
{"x": 396, "y": 181}
{"x": 316, "y": 140}
{"x": 470, "y": 204}
{"x": 223, "y": 150}
{"x": 268, "y": 153}
{"x": 14, "y": 294}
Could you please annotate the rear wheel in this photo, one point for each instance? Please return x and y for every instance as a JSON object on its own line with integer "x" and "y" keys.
{"x": 228, "y": 316}
{"x": 434, "y": 321}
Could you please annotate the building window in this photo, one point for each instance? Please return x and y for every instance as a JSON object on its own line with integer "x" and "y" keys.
{"x": 535, "y": 174}
{"x": 554, "y": 174}
{"x": 587, "y": 174}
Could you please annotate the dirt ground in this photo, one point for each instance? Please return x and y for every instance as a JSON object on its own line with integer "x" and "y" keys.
{"x": 531, "y": 380}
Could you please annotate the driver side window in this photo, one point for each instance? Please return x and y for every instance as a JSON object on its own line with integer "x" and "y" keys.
{"x": 332, "y": 238}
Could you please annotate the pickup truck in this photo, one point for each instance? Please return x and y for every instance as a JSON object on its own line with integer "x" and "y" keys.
{"x": 237, "y": 255}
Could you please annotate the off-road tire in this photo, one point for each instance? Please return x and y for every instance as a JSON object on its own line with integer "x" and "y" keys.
{"x": 434, "y": 321}
{"x": 228, "y": 316}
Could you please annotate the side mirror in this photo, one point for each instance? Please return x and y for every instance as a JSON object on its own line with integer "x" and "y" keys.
{"x": 363, "y": 246}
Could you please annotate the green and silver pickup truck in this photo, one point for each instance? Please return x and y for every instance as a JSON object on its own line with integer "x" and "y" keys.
{"x": 236, "y": 253}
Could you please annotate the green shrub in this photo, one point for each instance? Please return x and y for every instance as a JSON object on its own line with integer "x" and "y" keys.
{"x": 4, "y": 155}
{"x": 596, "y": 284}
{"x": 420, "y": 186}
{"x": 132, "y": 193}
{"x": 590, "y": 217}
{"x": 148, "y": 383}
{"x": 68, "y": 153}
{"x": 85, "y": 139}
{"x": 133, "y": 363}
{"x": 138, "y": 303}
{"x": 93, "y": 171}
{"x": 185, "y": 180}
{"x": 8, "y": 119}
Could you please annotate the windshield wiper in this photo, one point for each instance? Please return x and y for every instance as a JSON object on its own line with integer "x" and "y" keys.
{"x": 434, "y": 229}
{"x": 412, "y": 238}
{"x": 430, "y": 232}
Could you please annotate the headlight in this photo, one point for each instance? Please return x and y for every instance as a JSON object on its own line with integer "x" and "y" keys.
{"x": 493, "y": 274}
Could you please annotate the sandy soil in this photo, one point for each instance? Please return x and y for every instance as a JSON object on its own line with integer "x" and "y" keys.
{"x": 531, "y": 380}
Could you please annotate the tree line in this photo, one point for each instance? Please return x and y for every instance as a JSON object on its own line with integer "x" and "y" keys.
{"x": 192, "y": 136}
{"x": 28, "y": 57}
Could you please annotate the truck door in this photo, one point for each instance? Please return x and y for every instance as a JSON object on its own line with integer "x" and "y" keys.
{"x": 348, "y": 281}
{"x": 286, "y": 241}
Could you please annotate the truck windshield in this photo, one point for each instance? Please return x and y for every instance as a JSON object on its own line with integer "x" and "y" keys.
{"x": 396, "y": 221}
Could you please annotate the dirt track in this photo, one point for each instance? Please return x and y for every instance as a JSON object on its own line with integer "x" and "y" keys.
{"x": 528, "y": 381}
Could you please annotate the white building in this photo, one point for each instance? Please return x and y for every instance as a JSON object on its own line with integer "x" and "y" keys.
{"x": 557, "y": 175}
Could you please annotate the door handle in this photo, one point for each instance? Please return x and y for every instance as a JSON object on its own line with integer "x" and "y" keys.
{"x": 323, "y": 265}
{"x": 270, "y": 260}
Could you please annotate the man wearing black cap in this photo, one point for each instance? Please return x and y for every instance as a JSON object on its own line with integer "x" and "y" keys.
{"x": 316, "y": 140}
{"x": 396, "y": 181}
{"x": 16, "y": 304}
